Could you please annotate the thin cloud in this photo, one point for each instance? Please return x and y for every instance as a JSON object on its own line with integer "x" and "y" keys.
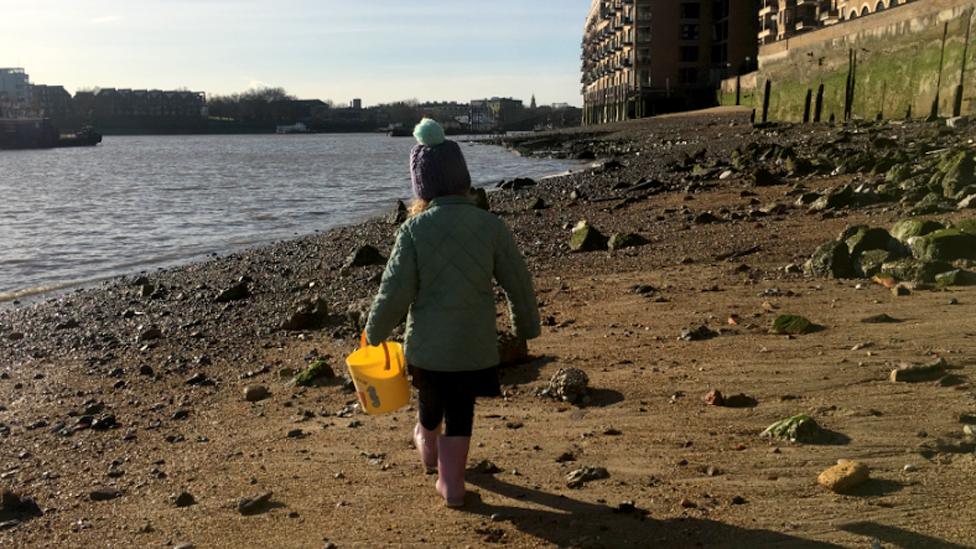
{"x": 105, "y": 19}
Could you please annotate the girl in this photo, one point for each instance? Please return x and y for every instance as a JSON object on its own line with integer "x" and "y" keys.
{"x": 439, "y": 276}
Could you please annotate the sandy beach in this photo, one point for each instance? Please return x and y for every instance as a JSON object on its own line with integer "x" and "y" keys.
{"x": 124, "y": 423}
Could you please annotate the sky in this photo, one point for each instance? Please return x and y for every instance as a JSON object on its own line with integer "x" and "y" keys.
{"x": 376, "y": 50}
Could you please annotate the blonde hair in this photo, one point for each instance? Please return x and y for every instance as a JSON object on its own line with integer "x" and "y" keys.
{"x": 417, "y": 207}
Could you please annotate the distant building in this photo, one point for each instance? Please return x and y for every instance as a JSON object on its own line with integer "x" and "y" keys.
{"x": 504, "y": 110}
{"x": 357, "y": 104}
{"x": 53, "y": 102}
{"x": 642, "y": 57}
{"x": 14, "y": 93}
{"x": 138, "y": 110}
{"x": 781, "y": 19}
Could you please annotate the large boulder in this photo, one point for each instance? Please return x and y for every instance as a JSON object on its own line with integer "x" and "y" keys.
{"x": 958, "y": 170}
{"x": 933, "y": 203}
{"x": 869, "y": 263}
{"x": 945, "y": 245}
{"x": 956, "y": 277}
{"x": 833, "y": 259}
{"x": 585, "y": 238}
{"x": 914, "y": 270}
{"x": 866, "y": 238}
{"x": 309, "y": 314}
{"x": 908, "y": 228}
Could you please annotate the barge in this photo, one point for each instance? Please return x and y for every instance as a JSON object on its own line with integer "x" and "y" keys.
{"x": 39, "y": 133}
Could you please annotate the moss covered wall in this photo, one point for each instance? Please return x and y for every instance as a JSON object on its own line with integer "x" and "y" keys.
{"x": 898, "y": 56}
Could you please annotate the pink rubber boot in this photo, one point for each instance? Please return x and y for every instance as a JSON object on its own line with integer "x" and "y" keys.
{"x": 426, "y": 443}
{"x": 452, "y": 457}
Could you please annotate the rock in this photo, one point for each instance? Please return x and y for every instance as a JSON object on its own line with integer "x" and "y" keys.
{"x": 199, "y": 378}
{"x": 316, "y": 373}
{"x": 104, "y": 494}
{"x": 761, "y": 177}
{"x": 967, "y": 226}
{"x": 365, "y": 256}
{"x": 806, "y": 199}
{"x": 625, "y": 240}
{"x": 908, "y": 228}
{"x": 901, "y": 290}
{"x": 568, "y": 384}
{"x": 480, "y": 197}
{"x": 706, "y": 218}
{"x": 832, "y": 259}
{"x": 898, "y": 173}
{"x": 835, "y": 199}
{"x": 585, "y": 238}
{"x": 485, "y": 467}
{"x": 253, "y": 505}
{"x": 311, "y": 314}
{"x": 517, "y": 183}
{"x": 183, "y": 499}
{"x": 793, "y": 325}
{"x": 296, "y": 433}
{"x": 725, "y": 175}
{"x": 8, "y": 524}
{"x": 866, "y": 238}
{"x": 537, "y": 204}
{"x": 914, "y": 373}
{"x": 398, "y": 215}
{"x": 150, "y": 333}
{"x": 881, "y": 319}
{"x": 869, "y": 263}
{"x": 844, "y": 477}
{"x": 254, "y": 393}
{"x": 512, "y": 350}
{"x": 913, "y": 270}
{"x": 932, "y": 203}
{"x": 957, "y": 122}
{"x": 945, "y": 245}
{"x": 236, "y": 292}
{"x": 714, "y": 398}
{"x": 959, "y": 173}
{"x": 577, "y": 478}
{"x": 800, "y": 428}
{"x": 967, "y": 203}
{"x": 699, "y": 333}
{"x": 956, "y": 277}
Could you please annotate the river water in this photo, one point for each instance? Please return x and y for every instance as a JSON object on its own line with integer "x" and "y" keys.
{"x": 75, "y": 216}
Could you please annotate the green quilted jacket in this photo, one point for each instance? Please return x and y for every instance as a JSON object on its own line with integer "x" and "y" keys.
{"x": 439, "y": 276}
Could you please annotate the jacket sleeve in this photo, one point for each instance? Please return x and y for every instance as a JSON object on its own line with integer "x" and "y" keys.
{"x": 513, "y": 275}
{"x": 398, "y": 289}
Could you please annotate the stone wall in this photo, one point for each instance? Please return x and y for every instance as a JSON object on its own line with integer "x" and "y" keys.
{"x": 892, "y": 59}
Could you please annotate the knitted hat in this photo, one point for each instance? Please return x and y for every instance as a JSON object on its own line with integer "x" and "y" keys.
{"x": 437, "y": 166}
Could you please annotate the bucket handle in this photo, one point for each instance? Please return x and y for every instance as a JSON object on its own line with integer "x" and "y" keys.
{"x": 386, "y": 351}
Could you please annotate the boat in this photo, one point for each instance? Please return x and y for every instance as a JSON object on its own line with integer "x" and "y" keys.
{"x": 39, "y": 133}
{"x": 87, "y": 137}
{"x": 400, "y": 132}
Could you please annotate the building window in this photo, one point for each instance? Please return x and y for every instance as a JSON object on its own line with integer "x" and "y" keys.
{"x": 690, "y": 10}
{"x": 689, "y": 32}
{"x": 688, "y": 76}
{"x": 720, "y": 53}
{"x": 720, "y": 9}
{"x": 689, "y": 54}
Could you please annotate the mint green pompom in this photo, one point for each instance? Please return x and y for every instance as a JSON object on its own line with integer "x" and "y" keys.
{"x": 429, "y": 133}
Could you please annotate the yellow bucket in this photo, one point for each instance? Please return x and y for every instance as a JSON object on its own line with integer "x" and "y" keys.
{"x": 380, "y": 376}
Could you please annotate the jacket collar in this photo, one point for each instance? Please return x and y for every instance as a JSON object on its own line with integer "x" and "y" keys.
{"x": 451, "y": 201}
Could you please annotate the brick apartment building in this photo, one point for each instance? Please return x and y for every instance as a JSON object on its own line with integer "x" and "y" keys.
{"x": 642, "y": 57}
{"x": 781, "y": 19}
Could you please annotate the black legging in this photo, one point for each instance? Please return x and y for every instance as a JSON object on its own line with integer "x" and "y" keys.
{"x": 445, "y": 396}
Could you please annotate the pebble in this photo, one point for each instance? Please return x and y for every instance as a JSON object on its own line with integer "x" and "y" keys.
{"x": 910, "y": 468}
{"x": 104, "y": 494}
